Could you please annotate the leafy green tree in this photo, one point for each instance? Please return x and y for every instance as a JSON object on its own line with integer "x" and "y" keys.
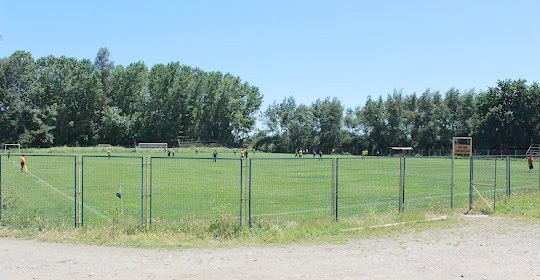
{"x": 105, "y": 67}
{"x": 503, "y": 115}
{"x": 21, "y": 120}
{"x": 328, "y": 122}
{"x": 395, "y": 120}
{"x": 277, "y": 119}
{"x": 123, "y": 113}
{"x": 373, "y": 121}
{"x": 302, "y": 130}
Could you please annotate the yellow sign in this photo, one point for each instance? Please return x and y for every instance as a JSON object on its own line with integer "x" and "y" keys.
{"x": 462, "y": 146}
{"x": 462, "y": 149}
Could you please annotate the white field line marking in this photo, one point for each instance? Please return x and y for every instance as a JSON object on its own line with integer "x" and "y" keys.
{"x": 40, "y": 180}
{"x": 441, "y": 218}
{"x": 292, "y": 212}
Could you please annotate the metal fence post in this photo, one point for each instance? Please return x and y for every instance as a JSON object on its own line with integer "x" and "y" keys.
{"x": 508, "y": 175}
{"x": 146, "y": 191}
{"x": 76, "y": 190}
{"x": 149, "y": 211}
{"x": 401, "y": 183}
{"x": 495, "y": 185}
{"x": 333, "y": 188}
{"x": 471, "y": 178}
{"x": 336, "y": 189}
{"x": 82, "y": 192}
{"x": 452, "y": 180}
{"x": 248, "y": 214}
{"x": 1, "y": 201}
{"x": 244, "y": 188}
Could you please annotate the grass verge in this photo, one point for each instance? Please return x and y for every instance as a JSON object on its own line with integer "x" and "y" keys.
{"x": 525, "y": 206}
{"x": 225, "y": 232}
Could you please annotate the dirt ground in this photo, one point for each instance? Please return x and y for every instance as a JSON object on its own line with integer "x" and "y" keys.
{"x": 482, "y": 248}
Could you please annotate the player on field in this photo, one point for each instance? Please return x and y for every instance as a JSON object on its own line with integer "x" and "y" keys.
{"x": 530, "y": 162}
{"x": 23, "y": 164}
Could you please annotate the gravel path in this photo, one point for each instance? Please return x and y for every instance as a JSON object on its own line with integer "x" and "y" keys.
{"x": 482, "y": 248}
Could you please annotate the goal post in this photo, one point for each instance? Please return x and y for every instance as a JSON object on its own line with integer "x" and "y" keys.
{"x": 460, "y": 146}
{"x": 102, "y": 147}
{"x": 144, "y": 146}
{"x": 8, "y": 147}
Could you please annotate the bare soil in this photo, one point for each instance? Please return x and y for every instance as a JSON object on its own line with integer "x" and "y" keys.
{"x": 480, "y": 248}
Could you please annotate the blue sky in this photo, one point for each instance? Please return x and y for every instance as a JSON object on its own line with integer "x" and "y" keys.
{"x": 305, "y": 49}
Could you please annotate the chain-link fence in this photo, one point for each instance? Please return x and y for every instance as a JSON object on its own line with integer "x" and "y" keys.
{"x": 494, "y": 176}
{"x": 187, "y": 189}
{"x": 520, "y": 177}
{"x": 367, "y": 184}
{"x": 39, "y": 194}
{"x": 59, "y": 190}
{"x": 112, "y": 190}
{"x": 291, "y": 189}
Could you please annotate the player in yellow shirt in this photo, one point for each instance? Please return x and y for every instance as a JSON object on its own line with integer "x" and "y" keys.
{"x": 23, "y": 164}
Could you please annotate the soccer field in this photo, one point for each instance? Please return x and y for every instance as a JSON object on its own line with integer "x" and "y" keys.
{"x": 137, "y": 189}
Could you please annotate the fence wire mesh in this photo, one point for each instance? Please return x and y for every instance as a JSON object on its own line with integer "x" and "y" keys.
{"x": 428, "y": 182}
{"x": 484, "y": 182}
{"x": 187, "y": 189}
{"x": 112, "y": 190}
{"x": 283, "y": 190}
{"x": 42, "y": 194}
{"x": 58, "y": 190}
{"x": 367, "y": 184}
{"x": 521, "y": 178}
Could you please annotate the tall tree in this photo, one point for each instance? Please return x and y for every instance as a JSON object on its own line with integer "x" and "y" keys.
{"x": 395, "y": 119}
{"x": 105, "y": 67}
{"x": 503, "y": 114}
{"x": 329, "y": 120}
{"x": 20, "y": 119}
{"x": 373, "y": 120}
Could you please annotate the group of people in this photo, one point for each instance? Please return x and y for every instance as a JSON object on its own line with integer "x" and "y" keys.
{"x": 300, "y": 152}
{"x": 243, "y": 154}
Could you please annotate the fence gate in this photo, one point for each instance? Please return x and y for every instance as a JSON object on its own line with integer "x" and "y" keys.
{"x": 483, "y": 183}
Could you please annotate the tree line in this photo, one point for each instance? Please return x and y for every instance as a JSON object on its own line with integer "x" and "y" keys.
{"x": 504, "y": 117}
{"x": 64, "y": 101}
{"x": 56, "y": 101}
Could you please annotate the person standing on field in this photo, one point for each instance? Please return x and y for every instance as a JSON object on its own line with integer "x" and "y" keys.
{"x": 530, "y": 162}
{"x": 23, "y": 164}
{"x": 215, "y": 155}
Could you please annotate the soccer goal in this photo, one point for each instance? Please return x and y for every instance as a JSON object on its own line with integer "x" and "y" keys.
{"x": 149, "y": 146}
{"x": 103, "y": 147}
{"x": 12, "y": 147}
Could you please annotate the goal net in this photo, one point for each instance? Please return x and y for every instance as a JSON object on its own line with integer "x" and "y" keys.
{"x": 104, "y": 147}
{"x": 12, "y": 147}
{"x": 150, "y": 146}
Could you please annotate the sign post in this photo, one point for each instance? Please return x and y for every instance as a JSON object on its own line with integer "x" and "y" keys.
{"x": 460, "y": 146}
